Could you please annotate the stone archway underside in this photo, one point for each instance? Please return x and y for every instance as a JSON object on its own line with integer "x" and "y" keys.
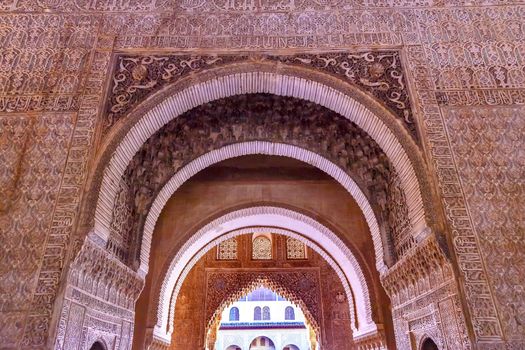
{"x": 291, "y": 223}
{"x": 316, "y": 133}
{"x": 260, "y": 82}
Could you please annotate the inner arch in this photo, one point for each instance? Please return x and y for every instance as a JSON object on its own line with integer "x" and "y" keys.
{"x": 275, "y": 287}
{"x": 275, "y": 230}
{"x": 288, "y": 220}
{"x": 265, "y": 148}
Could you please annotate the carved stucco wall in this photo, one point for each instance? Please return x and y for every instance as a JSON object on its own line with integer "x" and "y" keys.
{"x": 57, "y": 62}
{"x": 488, "y": 145}
{"x": 99, "y": 302}
{"x": 477, "y": 43}
{"x": 425, "y": 300}
{"x": 30, "y": 175}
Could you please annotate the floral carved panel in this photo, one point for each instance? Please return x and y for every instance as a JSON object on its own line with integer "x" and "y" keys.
{"x": 31, "y": 175}
{"x": 137, "y": 77}
{"x": 378, "y": 73}
{"x": 488, "y": 145}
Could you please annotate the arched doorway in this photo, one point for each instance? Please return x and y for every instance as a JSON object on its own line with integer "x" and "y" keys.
{"x": 215, "y": 288}
{"x": 429, "y": 344}
{"x": 341, "y": 98}
{"x": 291, "y": 347}
{"x": 333, "y": 144}
{"x": 292, "y": 225}
{"x": 262, "y": 343}
{"x": 227, "y": 223}
{"x": 233, "y": 347}
{"x": 97, "y": 346}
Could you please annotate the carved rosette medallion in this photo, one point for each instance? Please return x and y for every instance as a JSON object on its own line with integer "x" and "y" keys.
{"x": 378, "y": 73}
{"x": 137, "y": 77}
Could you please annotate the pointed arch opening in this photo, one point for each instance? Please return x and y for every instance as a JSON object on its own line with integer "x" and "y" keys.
{"x": 429, "y": 344}
{"x": 308, "y": 327}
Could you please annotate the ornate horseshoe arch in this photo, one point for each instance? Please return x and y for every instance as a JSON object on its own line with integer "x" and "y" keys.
{"x": 286, "y": 222}
{"x": 326, "y": 91}
{"x": 342, "y": 98}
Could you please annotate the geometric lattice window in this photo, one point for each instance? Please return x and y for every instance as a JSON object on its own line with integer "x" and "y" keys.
{"x": 234, "y": 314}
{"x": 295, "y": 249}
{"x": 266, "y": 313}
{"x": 289, "y": 313}
{"x": 257, "y": 313}
{"x": 261, "y": 248}
{"x": 227, "y": 250}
